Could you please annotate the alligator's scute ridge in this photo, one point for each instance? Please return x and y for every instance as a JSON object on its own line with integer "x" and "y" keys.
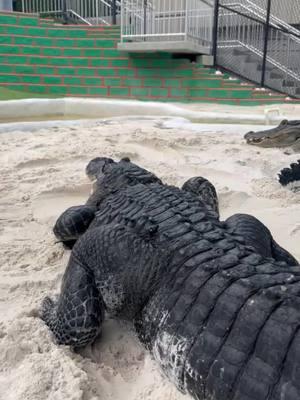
{"x": 220, "y": 319}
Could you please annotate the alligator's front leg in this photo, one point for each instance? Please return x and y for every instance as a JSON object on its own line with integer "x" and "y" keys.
{"x": 73, "y": 223}
{"x": 76, "y": 317}
{"x": 115, "y": 267}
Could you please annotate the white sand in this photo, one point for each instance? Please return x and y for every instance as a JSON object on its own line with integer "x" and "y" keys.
{"x": 42, "y": 173}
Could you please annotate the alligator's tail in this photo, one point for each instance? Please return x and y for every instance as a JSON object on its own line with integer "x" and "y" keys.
{"x": 290, "y": 175}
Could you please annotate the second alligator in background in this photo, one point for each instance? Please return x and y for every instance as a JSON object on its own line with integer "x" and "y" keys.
{"x": 286, "y": 134}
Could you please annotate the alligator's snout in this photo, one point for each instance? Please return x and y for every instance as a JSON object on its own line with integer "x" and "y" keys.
{"x": 287, "y": 133}
{"x": 252, "y": 138}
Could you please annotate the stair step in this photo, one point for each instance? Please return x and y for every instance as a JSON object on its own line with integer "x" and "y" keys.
{"x": 87, "y": 76}
{"x": 239, "y": 52}
{"x": 53, "y": 87}
{"x": 252, "y": 59}
{"x": 275, "y": 75}
{"x": 287, "y": 83}
{"x": 58, "y": 32}
{"x": 99, "y": 67}
{"x": 268, "y": 69}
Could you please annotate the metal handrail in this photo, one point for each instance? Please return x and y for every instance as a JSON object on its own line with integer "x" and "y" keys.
{"x": 259, "y": 13}
{"x": 275, "y": 20}
{"x": 284, "y": 68}
{"x": 61, "y": 13}
{"x": 272, "y": 61}
{"x": 186, "y": 20}
{"x": 241, "y": 33}
{"x": 78, "y": 16}
{"x": 90, "y": 13}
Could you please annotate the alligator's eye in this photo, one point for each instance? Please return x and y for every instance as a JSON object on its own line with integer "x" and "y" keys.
{"x": 283, "y": 122}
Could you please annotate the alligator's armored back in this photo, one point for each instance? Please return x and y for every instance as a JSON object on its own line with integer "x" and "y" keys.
{"x": 221, "y": 320}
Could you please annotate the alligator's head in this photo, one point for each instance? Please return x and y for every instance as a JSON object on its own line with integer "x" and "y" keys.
{"x": 105, "y": 171}
{"x": 287, "y": 133}
{"x": 97, "y": 166}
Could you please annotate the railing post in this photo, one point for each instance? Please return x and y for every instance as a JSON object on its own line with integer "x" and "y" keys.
{"x": 266, "y": 38}
{"x": 64, "y": 12}
{"x": 145, "y": 17}
{"x": 122, "y": 22}
{"x": 186, "y": 18}
{"x": 114, "y": 12}
{"x": 215, "y": 31}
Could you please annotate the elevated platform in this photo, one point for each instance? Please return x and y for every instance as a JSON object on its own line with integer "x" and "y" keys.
{"x": 180, "y": 46}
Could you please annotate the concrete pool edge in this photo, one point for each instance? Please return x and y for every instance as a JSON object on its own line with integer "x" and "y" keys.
{"x": 108, "y": 108}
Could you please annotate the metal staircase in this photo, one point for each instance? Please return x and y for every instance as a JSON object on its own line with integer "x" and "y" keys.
{"x": 258, "y": 46}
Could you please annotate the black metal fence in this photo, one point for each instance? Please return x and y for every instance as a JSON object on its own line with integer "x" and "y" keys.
{"x": 259, "y": 40}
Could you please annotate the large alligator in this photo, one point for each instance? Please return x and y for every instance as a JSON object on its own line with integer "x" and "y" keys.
{"x": 221, "y": 319}
{"x": 286, "y": 134}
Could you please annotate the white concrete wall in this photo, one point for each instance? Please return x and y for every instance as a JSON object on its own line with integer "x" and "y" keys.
{"x": 107, "y": 108}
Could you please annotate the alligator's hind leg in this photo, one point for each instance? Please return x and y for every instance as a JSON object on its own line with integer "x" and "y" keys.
{"x": 75, "y": 319}
{"x": 257, "y": 235}
{"x": 204, "y": 190}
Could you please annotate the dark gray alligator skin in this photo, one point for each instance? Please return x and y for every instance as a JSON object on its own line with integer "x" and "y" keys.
{"x": 222, "y": 321}
{"x": 290, "y": 174}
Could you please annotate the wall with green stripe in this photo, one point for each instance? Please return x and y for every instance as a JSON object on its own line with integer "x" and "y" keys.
{"x": 38, "y": 57}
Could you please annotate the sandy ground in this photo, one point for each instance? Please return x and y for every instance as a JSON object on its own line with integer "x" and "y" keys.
{"x": 42, "y": 173}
